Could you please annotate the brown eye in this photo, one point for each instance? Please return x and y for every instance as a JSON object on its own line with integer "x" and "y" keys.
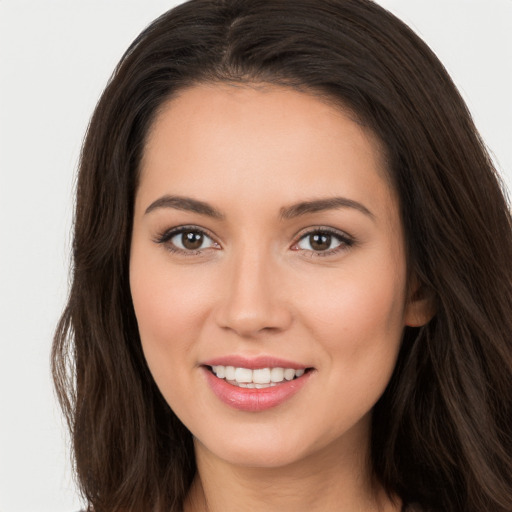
{"x": 187, "y": 240}
{"x": 192, "y": 240}
{"x": 320, "y": 241}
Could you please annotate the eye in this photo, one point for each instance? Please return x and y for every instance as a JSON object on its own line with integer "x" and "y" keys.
{"x": 187, "y": 240}
{"x": 323, "y": 241}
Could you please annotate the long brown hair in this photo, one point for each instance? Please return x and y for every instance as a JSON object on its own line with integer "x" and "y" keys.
{"x": 442, "y": 430}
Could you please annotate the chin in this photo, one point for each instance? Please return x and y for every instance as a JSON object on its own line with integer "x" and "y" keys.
{"x": 264, "y": 446}
{"x": 271, "y": 455}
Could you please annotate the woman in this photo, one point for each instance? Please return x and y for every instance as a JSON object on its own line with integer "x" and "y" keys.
{"x": 292, "y": 283}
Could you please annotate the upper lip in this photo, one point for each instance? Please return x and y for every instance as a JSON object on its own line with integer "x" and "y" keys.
{"x": 253, "y": 363}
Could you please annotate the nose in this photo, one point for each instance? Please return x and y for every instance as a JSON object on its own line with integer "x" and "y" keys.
{"x": 253, "y": 300}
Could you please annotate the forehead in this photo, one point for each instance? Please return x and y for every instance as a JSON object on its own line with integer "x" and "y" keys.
{"x": 240, "y": 141}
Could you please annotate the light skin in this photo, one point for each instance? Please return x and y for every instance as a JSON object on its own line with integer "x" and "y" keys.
{"x": 254, "y": 173}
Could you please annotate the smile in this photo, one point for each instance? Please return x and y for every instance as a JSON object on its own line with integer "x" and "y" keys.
{"x": 267, "y": 383}
{"x": 258, "y": 378}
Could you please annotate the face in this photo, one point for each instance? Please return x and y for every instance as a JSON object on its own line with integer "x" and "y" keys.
{"x": 267, "y": 252}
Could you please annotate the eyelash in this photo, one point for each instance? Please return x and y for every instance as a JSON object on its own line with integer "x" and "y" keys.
{"x": 345, "y": 241}
{"x": 166, "y": 237}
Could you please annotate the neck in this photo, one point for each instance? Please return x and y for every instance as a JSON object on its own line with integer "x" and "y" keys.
{"x": 335, "y": 478}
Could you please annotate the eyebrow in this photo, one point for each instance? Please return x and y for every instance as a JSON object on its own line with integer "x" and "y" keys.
{"x": 186, "y": 204}
{"x": 289, "y": 212}
{"x": 319, "y": 205}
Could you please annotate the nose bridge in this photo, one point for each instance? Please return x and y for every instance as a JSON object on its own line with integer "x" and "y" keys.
{"x": 251, "y": 302}
{"x": 250, "y": 277}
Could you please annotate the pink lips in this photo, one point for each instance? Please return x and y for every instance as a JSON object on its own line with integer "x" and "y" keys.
{"x": 253, "y": 362}
{"x": 253, "y": 400}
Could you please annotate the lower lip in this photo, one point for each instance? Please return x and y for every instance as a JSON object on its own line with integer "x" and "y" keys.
{"x": 254, "y": 400}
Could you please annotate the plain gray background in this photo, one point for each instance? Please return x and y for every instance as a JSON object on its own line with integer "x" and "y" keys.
{"x": 55, "y": 59}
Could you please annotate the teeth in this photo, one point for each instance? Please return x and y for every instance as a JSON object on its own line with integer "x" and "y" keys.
{"x": 259, "y": 378}
{"x": 229, "y": 372}
{"x": 243, "y": 375}
{"x": 289, "y": 373}
{"x": 277, "y": 374}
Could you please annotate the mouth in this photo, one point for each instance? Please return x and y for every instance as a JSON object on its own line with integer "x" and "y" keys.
{"x": 258, "y": 378}
{"x": 255, "y": 384}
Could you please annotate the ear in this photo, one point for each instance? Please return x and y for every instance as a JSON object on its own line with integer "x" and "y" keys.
{"x": 420, "y": 307}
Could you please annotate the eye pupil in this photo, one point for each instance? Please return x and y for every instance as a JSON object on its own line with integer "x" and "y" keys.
{"x": 192, "y": 240}
{"x": 320, "y": 241}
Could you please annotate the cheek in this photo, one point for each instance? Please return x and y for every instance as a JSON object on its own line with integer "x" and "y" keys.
{"x": 358, "y": 326}
{"x": 169, "y": 307}
{"x": 166, "y": 306}
{"x": 358, "y": 318}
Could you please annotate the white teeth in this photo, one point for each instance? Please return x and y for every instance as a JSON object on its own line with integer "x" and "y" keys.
{"x": 289, "y": 373}
{"x": 261, "y": 376}
{"x": 243, "y": 375}
{"x": 220, "y": 371}
{"x": 258, "y": 378}
{"x": 277, "y": 374}
{"x": 229, "y": 373}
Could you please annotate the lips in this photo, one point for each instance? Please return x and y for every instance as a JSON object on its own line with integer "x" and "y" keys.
{"x": 255, "y": 384}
